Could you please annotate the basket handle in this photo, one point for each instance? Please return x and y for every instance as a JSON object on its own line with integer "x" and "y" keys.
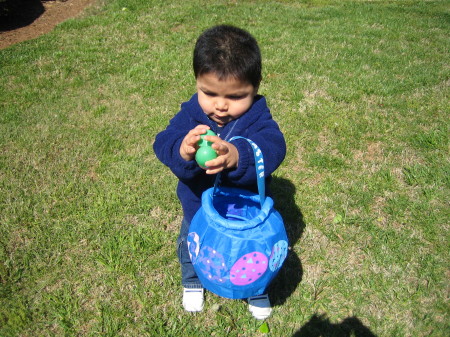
{"x": 259, "y": 165}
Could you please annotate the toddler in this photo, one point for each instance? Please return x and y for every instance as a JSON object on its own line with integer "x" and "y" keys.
{"x": 227, "y": 69}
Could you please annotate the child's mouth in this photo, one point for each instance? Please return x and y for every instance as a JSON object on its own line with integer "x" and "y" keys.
{"x": 221, "y": 121}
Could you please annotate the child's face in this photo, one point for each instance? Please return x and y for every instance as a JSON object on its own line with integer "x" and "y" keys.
{"x": 224, "y": 100}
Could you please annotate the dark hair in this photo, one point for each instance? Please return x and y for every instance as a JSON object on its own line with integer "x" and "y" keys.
{"x": 228, "y": 51}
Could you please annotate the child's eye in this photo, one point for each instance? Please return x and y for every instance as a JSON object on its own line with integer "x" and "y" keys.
{"x": 236, "y": 97}
{"x": 210, "y": 94}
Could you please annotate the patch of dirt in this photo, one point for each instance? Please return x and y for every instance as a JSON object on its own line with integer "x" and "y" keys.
{"x": 40, "y": 19}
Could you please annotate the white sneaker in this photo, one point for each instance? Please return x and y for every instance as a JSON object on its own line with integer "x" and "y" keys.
{"x": 259, "y": 306}
{"x": 193, "y": 299}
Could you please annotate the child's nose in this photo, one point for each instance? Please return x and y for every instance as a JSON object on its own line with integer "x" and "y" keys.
{"x": 221, "y": 104}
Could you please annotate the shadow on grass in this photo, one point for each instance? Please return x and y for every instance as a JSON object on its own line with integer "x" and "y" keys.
{"x": 19, "y": 13}
{"x": 320, "y": 326}
{"x": 291, "y": 273}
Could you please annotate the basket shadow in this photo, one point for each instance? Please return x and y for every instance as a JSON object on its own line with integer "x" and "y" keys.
{"x": 290, "y": 275}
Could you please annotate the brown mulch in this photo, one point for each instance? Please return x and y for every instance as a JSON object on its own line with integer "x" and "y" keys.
{"x": 46, "y": 16}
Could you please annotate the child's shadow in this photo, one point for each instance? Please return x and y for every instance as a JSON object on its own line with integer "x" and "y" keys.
{"x": 291, "y": 273}
{"x": 320, "y": 326}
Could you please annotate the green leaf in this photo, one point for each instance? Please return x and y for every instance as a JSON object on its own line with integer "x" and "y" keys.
{"x": 264, "y": 328}
{"x": 337, "y": 219}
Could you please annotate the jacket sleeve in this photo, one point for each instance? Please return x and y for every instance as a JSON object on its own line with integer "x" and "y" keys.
{"x": 269, "y": 138}
{"x": 167, "y": 147}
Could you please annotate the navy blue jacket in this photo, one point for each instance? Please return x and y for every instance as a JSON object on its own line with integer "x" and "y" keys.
{"x": 256, "y": 124}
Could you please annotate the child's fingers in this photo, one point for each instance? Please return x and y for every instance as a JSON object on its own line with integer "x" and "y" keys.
{"x": 190, "y": 149}
{"x": 200, "y": 129}
{"x": 189, "y": 144}
{"x": 214, "y": 162}
{"x": 211, "y": 169}
{"x": 219, "y": 144}
{"x": 221, "y": 148}
{"x": 213, "y": 139}
{"x": 193, "y": 136}
{"x": 214, "y": 165}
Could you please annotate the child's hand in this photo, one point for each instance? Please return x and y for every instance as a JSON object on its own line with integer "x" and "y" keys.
{"x": 228, "y": 155}
{"x": 189, "y": 144}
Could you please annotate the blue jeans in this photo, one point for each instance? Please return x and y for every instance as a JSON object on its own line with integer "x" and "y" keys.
{"x": 189, "y": 277}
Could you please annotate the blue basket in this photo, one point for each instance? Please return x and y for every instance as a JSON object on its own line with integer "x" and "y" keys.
{"x": 237, "y": 241}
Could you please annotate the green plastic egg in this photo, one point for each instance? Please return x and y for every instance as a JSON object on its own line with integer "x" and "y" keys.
{"x": 203, "y": 142}
{"x": 205, "y": 152}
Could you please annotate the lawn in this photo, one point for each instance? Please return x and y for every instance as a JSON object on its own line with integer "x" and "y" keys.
{"x": 89, "y": 217}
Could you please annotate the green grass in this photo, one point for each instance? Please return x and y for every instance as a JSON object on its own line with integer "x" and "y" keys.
{"x": 89, "y": 217}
